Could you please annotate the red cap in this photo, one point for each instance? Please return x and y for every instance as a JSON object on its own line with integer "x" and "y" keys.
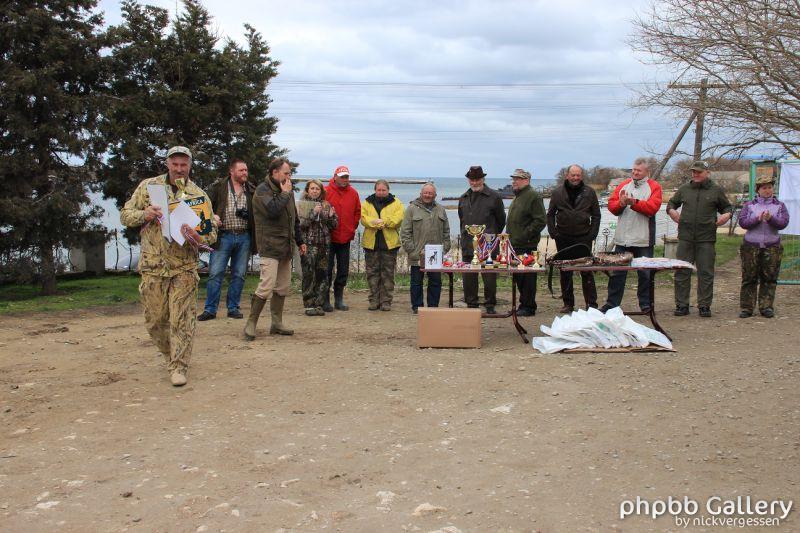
{"x": 341, "y": 171}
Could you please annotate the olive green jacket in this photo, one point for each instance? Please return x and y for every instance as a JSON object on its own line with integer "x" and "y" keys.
{"x": 422, "y": 226}
{"x": 701, "y": 202}
{"x": 526, "y": 219}
{"x": 277, "y": 225}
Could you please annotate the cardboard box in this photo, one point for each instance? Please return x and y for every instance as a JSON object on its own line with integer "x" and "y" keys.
{"x": 444, "y": 327}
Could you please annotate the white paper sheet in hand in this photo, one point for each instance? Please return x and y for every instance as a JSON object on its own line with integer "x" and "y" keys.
{"x": 182, "y": 214}
{"x": 158, "y": 197}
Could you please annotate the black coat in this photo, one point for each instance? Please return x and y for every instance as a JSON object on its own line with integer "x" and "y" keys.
{"x": 485, "y": 207}
{"x": 574, "y": 222}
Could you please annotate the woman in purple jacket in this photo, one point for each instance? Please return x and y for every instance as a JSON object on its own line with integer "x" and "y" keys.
{"x": 761, "y": 250}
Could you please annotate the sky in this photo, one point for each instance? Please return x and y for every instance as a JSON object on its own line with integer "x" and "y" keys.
{"x": 426, "y": 89}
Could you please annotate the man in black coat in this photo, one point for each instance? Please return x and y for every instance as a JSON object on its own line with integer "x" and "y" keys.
{"x": 479, "y": 205}
{"x": 573, "y": 220}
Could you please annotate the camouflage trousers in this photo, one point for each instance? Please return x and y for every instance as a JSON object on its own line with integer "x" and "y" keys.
{"x": 760, "y": 269}
{"x": 170, "y": 305}
{"x": 380, "y": 266}
{"x": 315, "y": 278}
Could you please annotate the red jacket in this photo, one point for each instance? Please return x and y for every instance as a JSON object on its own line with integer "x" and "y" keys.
{"x": 648, "y": 207}
{"x": 348, "y": 208}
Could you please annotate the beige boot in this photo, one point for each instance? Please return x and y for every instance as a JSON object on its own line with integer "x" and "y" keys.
{"x": 256, "y": 306}
{"x": 276, "y": 309}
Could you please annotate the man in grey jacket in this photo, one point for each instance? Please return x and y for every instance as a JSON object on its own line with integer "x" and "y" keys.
{"x": 424, "y": 222}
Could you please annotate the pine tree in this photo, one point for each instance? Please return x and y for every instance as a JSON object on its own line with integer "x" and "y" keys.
{"x": 50, "y": 71}
{"x": 178, "y": 84}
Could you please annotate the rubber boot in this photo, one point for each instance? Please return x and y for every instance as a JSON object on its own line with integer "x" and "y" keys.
{"x": 326, "y": 305}
{"x": 338, "y": 301}
{"x": 256, "y": 306}
{"x": 276, "y": 309}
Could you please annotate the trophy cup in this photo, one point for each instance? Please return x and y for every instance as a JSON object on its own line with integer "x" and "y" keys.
{"x": 503, "y": 245}
{"x": 475, "y": 230}
{"x": 488, "y": 240}
{"x": 535, "y": 255}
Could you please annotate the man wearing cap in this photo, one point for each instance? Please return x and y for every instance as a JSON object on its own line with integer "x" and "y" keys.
{"x": 483, "y": 206}
{"x": 169, "y": 270}
{"x": 526, "y": 220}
{"x": 702, "y": 201}
{"x": 233, "y": 198}
{"x": 573, "y": 220}
{"x": 347, "y": 205}
{"x": 635, "y": 202}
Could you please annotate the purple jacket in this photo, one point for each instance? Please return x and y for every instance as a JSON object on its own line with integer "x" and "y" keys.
{"x": 760, "y": 233}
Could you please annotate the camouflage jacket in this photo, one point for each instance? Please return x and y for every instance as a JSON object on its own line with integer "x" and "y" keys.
{"x": 160, "y": 257}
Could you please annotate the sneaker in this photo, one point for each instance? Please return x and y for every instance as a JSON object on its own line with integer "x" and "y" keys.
{"x": 566, "y": 310}
{"x": 681, "y": 310}
{"x": 525, "y": 311}
{"x": 312, "y": 311}
{"x": 705, "y": 312}
{"x": 745, "y": 313}
{"x": 235, "y": 314}
{"x": 768, "y": 313}
{"x": 490, "y": 310}
{"x": 178, "y": 379}
{"x": 205, "y": 315}
{"x": 386, "y": 307}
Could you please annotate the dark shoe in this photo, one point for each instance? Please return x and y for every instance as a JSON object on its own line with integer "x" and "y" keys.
{"x": 205, "y": 315}
{"x": 645, "y": 310}
{"x": 768, "y": 313}
{"x": 566, "y": 310}
{"x": 327, "y": 307}
{"x": 314, "y": 311}
{"x": 414, "y": 311}
{"x": 606, "y": 308}
{"x": 681, "y": 310}
{"x": 235, "y": 314}
{"x": 525, "y": 311}
{"x": 745, "y": 314}
{"x": 705, "y": 312}
{"x": 386, "y": 307}
{"x": 490, "y": 310}
{"x": 373, "y": 307}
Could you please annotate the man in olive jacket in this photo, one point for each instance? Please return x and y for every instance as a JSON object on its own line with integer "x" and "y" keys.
{"x": 702, "y": 200}
{"x": 232, "y": 198}
{"x": 526, "y": 220}
{"x": 573, "y": 221}
{"x": 424, "y": 222}
{"x": 277, "y": 232}
{"x": 484, "y": 206}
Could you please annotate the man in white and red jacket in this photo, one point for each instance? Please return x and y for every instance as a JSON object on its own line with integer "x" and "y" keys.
{"x": 345, "y": 202}
{"x": 635, "y": 202}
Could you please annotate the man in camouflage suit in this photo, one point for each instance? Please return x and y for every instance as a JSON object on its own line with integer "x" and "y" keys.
{"x": 169, "y": 271}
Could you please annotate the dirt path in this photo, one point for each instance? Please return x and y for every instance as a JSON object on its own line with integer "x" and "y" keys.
{"x": 347, "y": 427}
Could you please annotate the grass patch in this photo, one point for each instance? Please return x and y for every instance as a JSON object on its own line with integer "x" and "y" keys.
{"x": 118, "y": 289}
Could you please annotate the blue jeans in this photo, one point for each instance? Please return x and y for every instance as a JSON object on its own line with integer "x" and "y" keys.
{"x": 236, "y": 248}
{"x": 616, "y": 283}
{"x": 434, "y": 288}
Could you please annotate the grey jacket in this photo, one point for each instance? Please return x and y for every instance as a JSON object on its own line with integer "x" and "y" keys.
{"x": 422, "y": 226}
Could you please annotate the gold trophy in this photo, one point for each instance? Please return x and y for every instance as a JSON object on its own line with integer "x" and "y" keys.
{"x": 503, "y": 257}
{"x": 475, "y": 230}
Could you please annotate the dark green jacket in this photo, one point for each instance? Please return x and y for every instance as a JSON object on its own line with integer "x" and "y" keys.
{"x": 526, "y": 219}
{"x": 277, "y": 226}
{"x": 701, "y": 203}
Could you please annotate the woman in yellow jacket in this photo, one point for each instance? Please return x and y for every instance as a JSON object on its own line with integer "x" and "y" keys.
{"x": 381, "y": 216}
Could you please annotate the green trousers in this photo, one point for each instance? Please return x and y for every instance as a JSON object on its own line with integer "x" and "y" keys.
{"x": 760, "y": 270}
{"x": 702, "y": 254}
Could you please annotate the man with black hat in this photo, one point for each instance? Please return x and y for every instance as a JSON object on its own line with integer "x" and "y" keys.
{"x": 483, "y": 206}
{"x": 702, "y": 201}
{"x": 169, "y": 270}
{"x": 233, "y": 198}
